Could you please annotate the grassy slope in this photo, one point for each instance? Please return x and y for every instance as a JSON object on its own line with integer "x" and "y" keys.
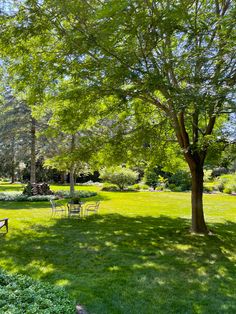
{"x": 136, "y": 256}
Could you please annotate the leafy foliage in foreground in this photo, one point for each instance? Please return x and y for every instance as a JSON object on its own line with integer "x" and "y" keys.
{"x": 20, "y": 294}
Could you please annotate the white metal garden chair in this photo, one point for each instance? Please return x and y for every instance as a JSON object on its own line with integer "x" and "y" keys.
{"x": 91, "y": 208}
{"x": 58, "y": 208}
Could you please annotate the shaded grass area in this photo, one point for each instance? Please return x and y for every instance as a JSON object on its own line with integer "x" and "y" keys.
{"x": 118, "y": 264}
{"x": 136, "y": 256}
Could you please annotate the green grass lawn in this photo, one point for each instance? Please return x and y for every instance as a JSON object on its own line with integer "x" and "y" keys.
{"x": 136, "y": 256}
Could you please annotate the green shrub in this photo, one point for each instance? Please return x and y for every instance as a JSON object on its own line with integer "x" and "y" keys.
{"x": 110, "y": 187}
{"x": 172, "y": 186}
{"x": 207, "y": 175}
{"x": 207, "y": 189}
{"x": 221, "y": 185}
{"x": 140, "y": 186}
{"x": 119, "y": 176}
{"x": 151, "y": 177}
{"x": 227, "y": 190}
{"x": 22, "y": 295}
{"x": 233, "y": 187}
{"x": 181, "y": 179}
{"x": 77, "y": 194}
{"x": 178, "y": 189}
{"x": 160, "y": 188}
{"x": 19, "y": 197}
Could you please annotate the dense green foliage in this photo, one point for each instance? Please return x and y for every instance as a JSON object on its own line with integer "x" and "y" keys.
{"x": 78, "y": 194}
{"x": 19, "y": 197}
{"x": 22, "y": 295}
{"x": 180, "y": 180}
{"x": 120, "y": 176}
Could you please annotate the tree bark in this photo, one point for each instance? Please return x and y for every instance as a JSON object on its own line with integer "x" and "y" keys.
{"x": 198, "y": 221}
{"x": 72, "y": 169}
{"x": 13, "y": 178}
{"x": 33, "y": 152}
{"x": 72, "y": 181}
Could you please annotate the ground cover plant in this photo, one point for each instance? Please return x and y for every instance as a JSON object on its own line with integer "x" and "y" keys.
{"x": 136, "y": 255}
{"x": 22, "y": 295}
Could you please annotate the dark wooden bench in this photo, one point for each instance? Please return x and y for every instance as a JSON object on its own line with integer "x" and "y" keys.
{"x": 4, "y": 223}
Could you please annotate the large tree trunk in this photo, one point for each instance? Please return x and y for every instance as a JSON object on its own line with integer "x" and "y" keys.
{"x": 33, "y": 152}
{"x": 198, "y": 221}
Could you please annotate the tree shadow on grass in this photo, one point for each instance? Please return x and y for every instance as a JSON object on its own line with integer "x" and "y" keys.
{"x": 118, "y": 264}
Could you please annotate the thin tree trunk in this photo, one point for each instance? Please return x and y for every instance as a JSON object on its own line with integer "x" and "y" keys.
{"x": 33, "y": 152}
{"x": 198, "y": 221}
{"x": 72, "y": 181}
{"x": 72, "y": 169}
{"x": 13, "y": 178}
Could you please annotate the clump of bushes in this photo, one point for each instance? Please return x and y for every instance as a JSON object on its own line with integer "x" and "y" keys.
{"x": 110, "y": 187}
{"x": 77, "y": 194}
{"x": 35, "y": 189}
{"x": 180, "y": 181}
{"x": 119, "y": 176}
{"x": 140, "y": 186}
{"x": 207, "y": 189}
{"x": 21, "y": 294}
{"x": 19, "y": 197}
{"x": 227, "y": 183}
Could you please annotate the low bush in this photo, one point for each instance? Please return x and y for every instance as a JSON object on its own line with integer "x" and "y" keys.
{"x": 122, "y": 177}
{"x": 22, "y": 295}
{"x": 221, "y": 186}
{"x": 140, "y": 186}
{"x": 207, "y": 189}
{"x": 35, "y": 189}
{"x": 110, "y": 187}
{"x": 19, "y": 197}
{"x": 77, "y": 194}
{"x": 160, "y": 188}
{"x": 227, "y": 190}
{"x": 181, "y": 179}
{"x": 178, "y": 189}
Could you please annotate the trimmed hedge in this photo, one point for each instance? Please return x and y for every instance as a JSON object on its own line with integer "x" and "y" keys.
{"x": 22, "y": 295}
